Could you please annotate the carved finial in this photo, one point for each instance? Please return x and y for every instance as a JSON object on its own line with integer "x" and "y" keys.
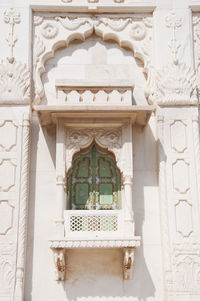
{"x": 12, "y": 17}
{"x": 174, "y": 22}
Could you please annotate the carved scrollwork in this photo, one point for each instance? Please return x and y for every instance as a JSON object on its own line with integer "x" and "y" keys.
{"x": 37, "y": 20}
{"x": 72, "y": 23}
{"x": 79, "y": 138}
{"x": 39, "y": 48}
{"x": 116, "y": 24}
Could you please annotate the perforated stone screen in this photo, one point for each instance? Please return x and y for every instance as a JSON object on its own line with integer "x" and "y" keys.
{"x": 94, "y": 222}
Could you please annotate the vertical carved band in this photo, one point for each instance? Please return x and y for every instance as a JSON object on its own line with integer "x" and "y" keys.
{"x": 195, "y": 128}
{"x": 23, "y": 205}
{"x": 163, "y": 200}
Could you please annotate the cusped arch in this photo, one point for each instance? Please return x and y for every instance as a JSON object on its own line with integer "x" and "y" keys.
{"x": 55, "y": 32}
{"x": 95, "y": 174}
{"x": 108, "y": 139}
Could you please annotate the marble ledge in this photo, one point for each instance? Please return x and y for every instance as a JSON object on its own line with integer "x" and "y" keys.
{"x": 94, "y": 243}
{"x": 99, "y": 7}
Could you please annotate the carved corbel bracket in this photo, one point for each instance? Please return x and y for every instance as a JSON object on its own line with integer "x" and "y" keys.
{"x": 127, "y": 246}
{"x": 128, "y": 263}
{"x": 59, "y": 261}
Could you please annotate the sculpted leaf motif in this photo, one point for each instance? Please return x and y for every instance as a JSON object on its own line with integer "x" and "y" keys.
{"x": 38, "y": 20}
{"x": 72, "y": 23}
{"x": 176, "y": 84}
{"x": 116, "y": 24}
{"x": 39, "y": 48}
{"x": 6, "y": 274}
{"x": 14, "y": 81}
{"x": 12, "y": 16}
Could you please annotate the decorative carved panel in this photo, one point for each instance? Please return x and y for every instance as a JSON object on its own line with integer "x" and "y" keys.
{"x": 181, "y": 179}
{"x": 187, "y": 271}
{"x": 7, "y": 174}
{"x": 175, "y": 83}
{"x": 8, "y": 134}
{"x": 178, "y": 136}
{"x": 14, "y": 75}
{"x": 7, "y": 262}
{"x": 78, "y": 138}
{"x": 55, "y": 31}
{"x": 184, "y": 221}
{"x": 6, "y": 217}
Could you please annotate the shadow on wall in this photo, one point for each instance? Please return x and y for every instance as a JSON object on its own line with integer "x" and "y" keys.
{"x": 97, "y": 274}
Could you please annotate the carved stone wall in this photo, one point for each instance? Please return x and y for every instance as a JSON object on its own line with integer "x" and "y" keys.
{"x": 14, "y": 163}
{"x": 164, "y": 40}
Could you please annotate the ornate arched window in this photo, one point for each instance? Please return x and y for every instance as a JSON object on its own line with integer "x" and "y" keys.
{"x": 94, "y": 181}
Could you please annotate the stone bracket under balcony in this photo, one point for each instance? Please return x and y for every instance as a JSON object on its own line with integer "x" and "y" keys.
{"x": 60, "y": 247}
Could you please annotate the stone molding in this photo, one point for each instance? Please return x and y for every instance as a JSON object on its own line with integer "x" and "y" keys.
{"x": 117, "y": 243}
{"x": 53, "y": 32}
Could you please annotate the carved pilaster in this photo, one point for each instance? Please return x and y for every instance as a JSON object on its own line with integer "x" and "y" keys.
{"x": 196, "y": 142}
{"x": 23, "y": 209}
{"x": 163, "y": 203}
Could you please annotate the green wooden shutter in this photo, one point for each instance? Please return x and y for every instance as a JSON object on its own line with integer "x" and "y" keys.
{"x": 94, "y": 182}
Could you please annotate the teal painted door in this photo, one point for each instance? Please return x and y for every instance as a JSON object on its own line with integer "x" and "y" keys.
{"x": 94, "y": 182}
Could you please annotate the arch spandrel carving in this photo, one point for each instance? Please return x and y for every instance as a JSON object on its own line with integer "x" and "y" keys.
{"x": 52, "y": 32}
{"x": 77, "y": 139}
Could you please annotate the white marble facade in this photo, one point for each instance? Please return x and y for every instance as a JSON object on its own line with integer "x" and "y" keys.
{"x": 125, "y": 74}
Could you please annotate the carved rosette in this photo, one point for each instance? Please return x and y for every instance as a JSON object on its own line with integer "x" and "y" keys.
{"x": 57, "y": 31}
{"x": 76, "y": 139}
